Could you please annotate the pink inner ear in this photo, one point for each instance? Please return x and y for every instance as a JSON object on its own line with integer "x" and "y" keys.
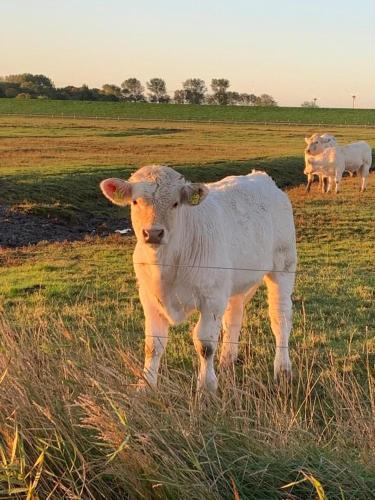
{"x": 111, "y": 188}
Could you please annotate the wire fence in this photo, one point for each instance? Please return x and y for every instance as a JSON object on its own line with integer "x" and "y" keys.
{"x": 192, "y": 120}
{"x": 309, "y": 269}
{"x": 217, "y": 340}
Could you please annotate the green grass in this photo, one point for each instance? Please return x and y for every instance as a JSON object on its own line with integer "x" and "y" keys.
{"x": 71, "y": 344}
{"x": 75, "y": 195}
{"x": 149, "y": 111}
{"x": 53, "y": 166}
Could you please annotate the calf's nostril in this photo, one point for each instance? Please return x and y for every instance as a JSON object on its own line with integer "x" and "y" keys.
{"x": 153, "y": 236}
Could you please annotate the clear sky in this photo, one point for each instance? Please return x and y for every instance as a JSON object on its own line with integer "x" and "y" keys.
{"x": 293, "y": 49}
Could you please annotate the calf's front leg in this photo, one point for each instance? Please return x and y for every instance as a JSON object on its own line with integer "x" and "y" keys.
{"x": 156, "y": 338}
{"x": 205, "y": 336}
{"x": 309, "y": 182}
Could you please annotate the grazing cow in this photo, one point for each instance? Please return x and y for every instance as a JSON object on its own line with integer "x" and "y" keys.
{"x": 314, "y": 143}
{"x": 207, "y": 247}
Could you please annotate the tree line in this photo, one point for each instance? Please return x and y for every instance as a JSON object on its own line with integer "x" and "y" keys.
{"x": 193, "y": 91}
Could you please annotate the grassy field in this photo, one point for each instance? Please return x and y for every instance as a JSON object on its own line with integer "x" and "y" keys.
{"x": 71, "y": 333}
{"x": 134, "y": 111}
{"x": 54, "y": 165}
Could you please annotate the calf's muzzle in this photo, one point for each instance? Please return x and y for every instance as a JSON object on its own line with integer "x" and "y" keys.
{"x": 153, "y": 236}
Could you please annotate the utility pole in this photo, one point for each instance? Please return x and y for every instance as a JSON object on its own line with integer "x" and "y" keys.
{"x": 315, "y": 99}
{"x": 353, "y": 97}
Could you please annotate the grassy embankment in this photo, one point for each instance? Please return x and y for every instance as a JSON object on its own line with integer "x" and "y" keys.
{"x": 71, "y": 336}
{"x": 343, "y": 116}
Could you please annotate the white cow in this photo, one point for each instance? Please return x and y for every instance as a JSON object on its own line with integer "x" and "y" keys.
{"x": 324, "y": 141}
{"x": 207, "y": 247}
{"x": 330, "y": 163}
{"x": 358, "y": 156}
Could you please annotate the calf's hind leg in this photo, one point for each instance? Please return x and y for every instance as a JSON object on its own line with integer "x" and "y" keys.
{"x": 232, "y": 322}
{"x": 280, "y": 286}
{"x": 364, "y": 172}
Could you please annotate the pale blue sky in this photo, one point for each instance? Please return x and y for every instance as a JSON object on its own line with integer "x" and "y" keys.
{"x": 294, "y": 50}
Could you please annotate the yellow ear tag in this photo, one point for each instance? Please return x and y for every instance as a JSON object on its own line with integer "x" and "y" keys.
{"x": 195, "y": 199}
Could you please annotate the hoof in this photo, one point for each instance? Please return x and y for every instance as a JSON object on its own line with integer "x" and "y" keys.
{"x": 143, "y": 386}
{"x": 283, "y": 376}
{"x": 207, "y": 387}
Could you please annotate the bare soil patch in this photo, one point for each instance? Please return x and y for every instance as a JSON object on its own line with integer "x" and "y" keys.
{"x": 20, "y": 229}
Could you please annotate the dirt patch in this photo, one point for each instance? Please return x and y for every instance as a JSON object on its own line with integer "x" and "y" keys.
{"x": 20, "y": 229}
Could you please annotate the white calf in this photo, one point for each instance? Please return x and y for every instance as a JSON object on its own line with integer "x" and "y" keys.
{"x": 315, "y": 144}
{"x": 207, "y": 247}
{"x": 330, "y": 163}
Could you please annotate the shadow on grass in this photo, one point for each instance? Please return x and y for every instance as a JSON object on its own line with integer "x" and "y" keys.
{"x": 142, "y": 131}
{"x": 286, "y": 171}
{"x": 78, "y": 191}
{"x": 73, "y": 198}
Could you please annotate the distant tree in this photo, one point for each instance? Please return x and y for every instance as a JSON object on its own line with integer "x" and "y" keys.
{"x": 111, "y": 90}
{"x": 83, "y": 93}
{"x": 68, "y": 92}
{"x": 210, "y": 99}
{"x": 248, "y": 99}
{"x": 309, "y": 104}
{"x": 96, "y": 94}
{"x": 86, "y": 94}
{"x": 11, "y": 92}
{"x": 157, "y": 90}
{"x": 33, "y": 84}
{"x": 195, "y": 89}
{"x": 179, "y": 97}
{"x": 265, "y": 100}
{"x": 233, "y": 98}
{"x": 132, "y": 90}
{"x": 219, "y": 87}
{"x": 39, "y": 80}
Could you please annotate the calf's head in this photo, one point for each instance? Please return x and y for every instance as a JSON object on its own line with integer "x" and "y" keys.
{"x": 156, "y": 194}
{"x": 314, "y": 144}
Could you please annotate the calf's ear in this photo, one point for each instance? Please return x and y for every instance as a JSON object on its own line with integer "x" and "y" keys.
{"x": 193, "y": 194}
{"x": 307, "y": 140}
{"x": 117, "y": 191}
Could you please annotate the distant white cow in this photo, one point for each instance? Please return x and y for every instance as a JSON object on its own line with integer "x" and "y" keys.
{"x": 330, "y": 163}
{"x": 207, "y": 247}
{"x": 314, "y": 143}
{"x": 358, "y": 156}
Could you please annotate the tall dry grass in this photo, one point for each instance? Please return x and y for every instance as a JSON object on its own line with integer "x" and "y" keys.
{"x": 73, "y": 426}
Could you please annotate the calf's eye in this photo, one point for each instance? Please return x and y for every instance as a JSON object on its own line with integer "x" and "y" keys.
{"x": 175, "y": 205}
{"x": 134, "y": 202}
